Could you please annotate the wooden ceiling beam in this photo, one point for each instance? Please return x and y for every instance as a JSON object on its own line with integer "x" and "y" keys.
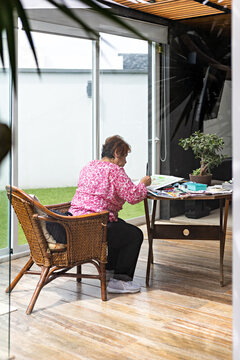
{"x": 213, "y": 5}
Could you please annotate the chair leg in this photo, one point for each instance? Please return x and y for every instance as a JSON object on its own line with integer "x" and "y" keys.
{"x": 79, "y": 271}
{"x": 103, "y": 281}
{"x": 40, "y": 284}
{"x": 26, "y": 267}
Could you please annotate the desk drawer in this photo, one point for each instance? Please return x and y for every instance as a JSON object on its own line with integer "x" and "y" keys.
{"x": 187, "y": 232}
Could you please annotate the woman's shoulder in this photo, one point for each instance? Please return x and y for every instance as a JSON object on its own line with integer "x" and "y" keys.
{"x": 95, "y": 163}
{"x": 98, "y": 165}
{"x": 105, "y": 164}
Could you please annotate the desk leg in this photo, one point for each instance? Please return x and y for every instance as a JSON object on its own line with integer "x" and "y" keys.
{"x": 150, "y": 241}
{"x": 152, "y": 223}
{"x": 223, "y": 229}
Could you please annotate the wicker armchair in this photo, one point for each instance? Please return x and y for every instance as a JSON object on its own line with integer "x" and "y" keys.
{"x": 86, "y": 242}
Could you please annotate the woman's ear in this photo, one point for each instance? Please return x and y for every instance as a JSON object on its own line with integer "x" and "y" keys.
{"x": 115, "y": 154}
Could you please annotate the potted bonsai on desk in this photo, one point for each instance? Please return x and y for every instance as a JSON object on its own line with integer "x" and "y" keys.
{"x": 207, "y": 148}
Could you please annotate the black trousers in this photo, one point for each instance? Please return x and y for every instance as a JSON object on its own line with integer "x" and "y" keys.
{"x": 124, "y": 243}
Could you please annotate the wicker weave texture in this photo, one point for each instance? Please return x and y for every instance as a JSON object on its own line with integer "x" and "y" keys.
{"x": 86, "y": 235}
{"x": 32, "y": 230}
{"x": 86, "y": 242}
{"x": 87, "y": 239}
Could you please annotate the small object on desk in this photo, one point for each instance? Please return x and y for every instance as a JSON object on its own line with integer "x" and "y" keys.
{"x": 196, "y": 186}
{"x": 161, "y": 181}
{"x": 218, "y": 189}
{"x": 227, "y": 185}
{"x": 158, "y": 193}
{"x": 167, "y": 193}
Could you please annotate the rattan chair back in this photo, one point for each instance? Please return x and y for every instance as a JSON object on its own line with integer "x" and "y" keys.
{"x": 25, "y": 209}
{"x": 86, "y": 241}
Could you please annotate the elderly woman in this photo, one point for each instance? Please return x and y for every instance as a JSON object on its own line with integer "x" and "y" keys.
{"x": 104, "y": 185}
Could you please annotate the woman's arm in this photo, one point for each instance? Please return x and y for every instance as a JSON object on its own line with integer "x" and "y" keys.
{"x": 130, "y": 192}
{"x": 146, "y": 180}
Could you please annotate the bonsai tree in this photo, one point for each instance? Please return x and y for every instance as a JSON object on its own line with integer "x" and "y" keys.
{"x": 207, "y": 148}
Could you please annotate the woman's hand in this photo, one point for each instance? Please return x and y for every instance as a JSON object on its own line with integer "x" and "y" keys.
{"x": 146, "y": 180}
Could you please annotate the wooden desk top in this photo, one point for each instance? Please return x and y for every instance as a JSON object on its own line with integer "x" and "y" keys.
{"x": 190, "y": 197}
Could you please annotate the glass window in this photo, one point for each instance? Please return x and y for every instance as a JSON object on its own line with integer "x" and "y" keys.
{"x": 5, "y": 164}
{"x": 124, "y": 97}
{"x": 4, "y": 216}
{"x": 54, "y": 115}
{"x": 124, "y": 102}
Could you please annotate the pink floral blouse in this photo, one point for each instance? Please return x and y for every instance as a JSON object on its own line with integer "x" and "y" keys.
{"x": 105, "y": 186}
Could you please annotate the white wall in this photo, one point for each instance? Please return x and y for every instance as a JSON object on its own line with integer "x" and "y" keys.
{"x": 55, "y": 124}
{"x": 54, "y": 129}
{"x": 124, "y": 111}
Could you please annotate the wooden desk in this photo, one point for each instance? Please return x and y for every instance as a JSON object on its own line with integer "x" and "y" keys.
{"x": 187, "y": 232}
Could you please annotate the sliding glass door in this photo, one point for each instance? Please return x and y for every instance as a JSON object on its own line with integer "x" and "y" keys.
{"x": 124, "y": 102}
{"x": 5, "y": 246}
{"x": 88, "y": 90}
{"x": 5, "y": 165}
{"x": 54, "y": 116}
{"x": 124, "y": 97}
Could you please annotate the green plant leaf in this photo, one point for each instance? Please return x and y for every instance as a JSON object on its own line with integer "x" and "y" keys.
{"x": 196, "y": 172}
{"x": 25, "y": 23}
{"x": 5, "y": 140}
{"x": 10, "y": 31}
{"x": 98, "y": 8}
{"x": 7, "y": 26}
{"x": 70, "y": 13}
{"x": 108, "y": 14}
{"x": 11, "y": 8}
{"x": 1, "y": 42}
{"x": 8, "y": 10}
{"x": 206, "y": 147}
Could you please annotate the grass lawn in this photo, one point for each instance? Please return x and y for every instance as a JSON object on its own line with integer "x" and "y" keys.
{"x": 3, "y": 220}
{"x": 53, "y": 196}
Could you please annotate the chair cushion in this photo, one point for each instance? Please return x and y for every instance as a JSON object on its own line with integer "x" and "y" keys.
{"x": 57, "y": 230}
{"x": 52, "y": 242}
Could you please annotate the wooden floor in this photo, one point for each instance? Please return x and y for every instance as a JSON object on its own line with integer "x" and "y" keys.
{"x": 185, "y": 314}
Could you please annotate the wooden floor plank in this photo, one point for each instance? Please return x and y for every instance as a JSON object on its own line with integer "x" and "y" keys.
{"x": 183, "y": 315}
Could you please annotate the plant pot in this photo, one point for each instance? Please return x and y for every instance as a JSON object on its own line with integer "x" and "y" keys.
{"x": 202, "y": 179}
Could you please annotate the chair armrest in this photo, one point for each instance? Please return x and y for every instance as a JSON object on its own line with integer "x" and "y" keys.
{"x": 50, "y": 214}
{"x": 61, "y": 207}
